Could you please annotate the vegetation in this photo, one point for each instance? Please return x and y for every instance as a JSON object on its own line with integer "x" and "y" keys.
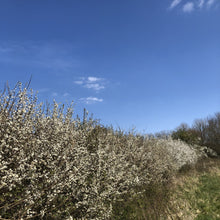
{"x": 186, "y": 134}
{"x": 196, "y": 194}
{"x": 205, "y": 132}
{"x": 55, "y": 166}
{"x": 193, "y": 193}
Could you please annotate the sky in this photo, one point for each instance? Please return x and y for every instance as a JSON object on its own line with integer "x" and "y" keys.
{"x": 144, "y": 64}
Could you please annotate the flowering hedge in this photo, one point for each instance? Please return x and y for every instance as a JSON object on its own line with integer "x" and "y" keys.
{"x": 56, "y": 167}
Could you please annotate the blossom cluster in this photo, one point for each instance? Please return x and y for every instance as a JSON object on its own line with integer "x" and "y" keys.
{"x": 55, "y": 166}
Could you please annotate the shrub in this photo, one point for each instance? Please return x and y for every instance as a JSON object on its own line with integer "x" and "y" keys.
{"x": 53, "y": 166}
{"x": 186, "y": 134}
{"x": 209, "y": 132}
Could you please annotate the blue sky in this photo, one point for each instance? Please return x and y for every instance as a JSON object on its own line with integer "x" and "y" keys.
{"x": 147, "y": 64}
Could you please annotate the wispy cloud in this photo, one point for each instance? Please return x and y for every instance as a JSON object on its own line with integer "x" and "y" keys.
{"x": 52, "y": 56}
{"x": 43, "y": 90}
{"x": 66, "y": 94}
{"x": 91, "y": 100}
{"x": 174, "y": 3}
{"x": 78, "y": 82}
{"x": 201, "y": 3}
{"x": 91, "y": 82}
{"x": 4, "y": 49}
{"x": 95, "y": 86}
{"x": 210, "y": 3}
{"x": 188, "y": 7}
{"x": 54, "y": 94}
{"x": 93, "y": 79}
{"x": 193, "y": 5}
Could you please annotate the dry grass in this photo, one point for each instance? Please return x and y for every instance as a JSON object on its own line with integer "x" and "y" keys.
{"x": 196, "y": 193}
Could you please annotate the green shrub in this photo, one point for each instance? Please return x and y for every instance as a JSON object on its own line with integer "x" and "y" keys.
{"x": 186, "y": 134}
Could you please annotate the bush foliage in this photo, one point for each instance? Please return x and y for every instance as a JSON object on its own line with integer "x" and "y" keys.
{"x": 205, "y": 132}
{"x": 55, "y": 166}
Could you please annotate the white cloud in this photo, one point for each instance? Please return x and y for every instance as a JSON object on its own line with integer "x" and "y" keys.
{"x": 93, "y": 79}
{"x": 174, "y": 3}
{"x": 66, "y": 94}
{"x": 210, "y": 3}
{"x": 54, "y": 94}
{"x": 94, "y": 86}
{"x": 91, "y": 82}
{"x": 188, "y": 7}
{"x": 78, "y": 82}
{"x": 201, "y": 3}
{"x": 91, "y": 100}
{"x": 192, "y": 5}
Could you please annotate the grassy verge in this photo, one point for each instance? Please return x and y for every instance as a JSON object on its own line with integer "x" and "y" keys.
{"x": 193, "y": 194}
{"x": 197, "y": 192}
{"x": 151, "y": 204}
